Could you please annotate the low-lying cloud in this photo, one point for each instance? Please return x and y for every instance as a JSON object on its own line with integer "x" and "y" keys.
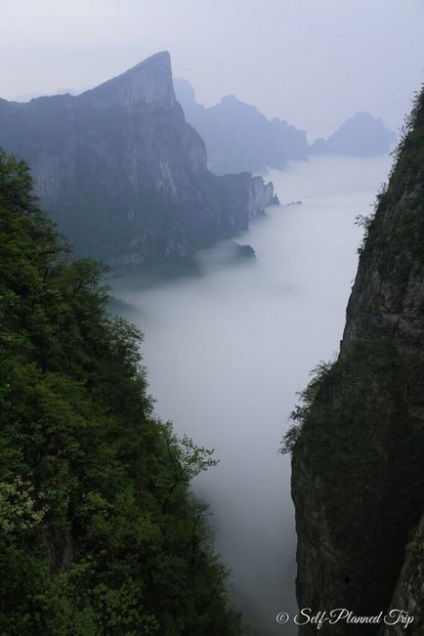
{"x": 227, "y": 352}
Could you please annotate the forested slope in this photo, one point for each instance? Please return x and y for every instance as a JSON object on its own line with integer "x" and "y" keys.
{"x": 99, "y": 533}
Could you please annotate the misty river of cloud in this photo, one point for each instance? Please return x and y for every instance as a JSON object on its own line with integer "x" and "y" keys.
{"x": 227, "y": 352}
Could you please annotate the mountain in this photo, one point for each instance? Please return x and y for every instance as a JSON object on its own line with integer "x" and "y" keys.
{"x": 360, "y": 136}
{"x": 123, "y": 174}
{"x": 238, "y": 137}
{"x": 358, "y": 435}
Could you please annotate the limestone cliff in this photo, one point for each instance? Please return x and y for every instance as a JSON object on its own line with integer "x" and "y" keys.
{"x": 409, "y": 592}
{"x": 358, "y": 476}
{"x": 122, "y": 172}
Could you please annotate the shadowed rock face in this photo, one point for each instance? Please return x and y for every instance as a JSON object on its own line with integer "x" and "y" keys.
{"x": 123, "y": 174}
{"x": 408, "y": 595}
{"x": 358, "y": 477}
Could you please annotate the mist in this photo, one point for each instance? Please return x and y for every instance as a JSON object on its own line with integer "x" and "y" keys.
{"x": 226, "y": 353}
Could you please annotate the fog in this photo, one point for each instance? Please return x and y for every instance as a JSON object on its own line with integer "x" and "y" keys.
{"x": 227, "y": 352}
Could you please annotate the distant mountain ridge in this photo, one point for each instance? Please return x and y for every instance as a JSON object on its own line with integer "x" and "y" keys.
{"x": 360, "y": 136}
{"x": 239, "y": 137}
{"x": 124, "y": 175}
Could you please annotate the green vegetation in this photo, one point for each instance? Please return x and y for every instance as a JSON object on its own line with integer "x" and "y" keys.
{"x": 395, "y": 228}
{"x": 353, "y": 388}
{"x": 99, "y": 534}
{"x": 301, "y": 411}
{"x": 357, "y": 442}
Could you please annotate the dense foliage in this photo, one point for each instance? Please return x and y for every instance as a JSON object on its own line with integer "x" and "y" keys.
{"x": 302, "y": 411}
{"x": 98, "y": 531}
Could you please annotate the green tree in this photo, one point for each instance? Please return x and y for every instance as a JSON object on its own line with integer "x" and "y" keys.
{"x": 99, "y": 532}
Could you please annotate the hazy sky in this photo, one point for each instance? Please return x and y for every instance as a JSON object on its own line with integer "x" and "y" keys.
{"x": 312, "y": 62}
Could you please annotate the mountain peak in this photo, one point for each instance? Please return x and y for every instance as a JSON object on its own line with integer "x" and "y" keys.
{"x": 362, "y": 135}
{"x": 158, "y": 62}
{"x": 148, "y": 83}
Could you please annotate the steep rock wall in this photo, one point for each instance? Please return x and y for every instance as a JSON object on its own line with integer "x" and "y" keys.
{"x": 123, "y": 174}
{"x": 358, "y": 477}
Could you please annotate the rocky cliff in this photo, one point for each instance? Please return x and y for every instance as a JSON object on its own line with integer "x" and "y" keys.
{"x": 358, "y": 456}
{"x": 409, "y": 596}
{"x": 123, "y": 174}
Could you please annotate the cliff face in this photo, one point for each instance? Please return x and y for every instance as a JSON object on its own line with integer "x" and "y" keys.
{"x": 358, "y": 477}
{"x": 122, "y": 172}
{"x": 409, "y": 590}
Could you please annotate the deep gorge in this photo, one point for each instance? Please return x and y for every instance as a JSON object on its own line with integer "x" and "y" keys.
{"x": 227, "y": 352}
